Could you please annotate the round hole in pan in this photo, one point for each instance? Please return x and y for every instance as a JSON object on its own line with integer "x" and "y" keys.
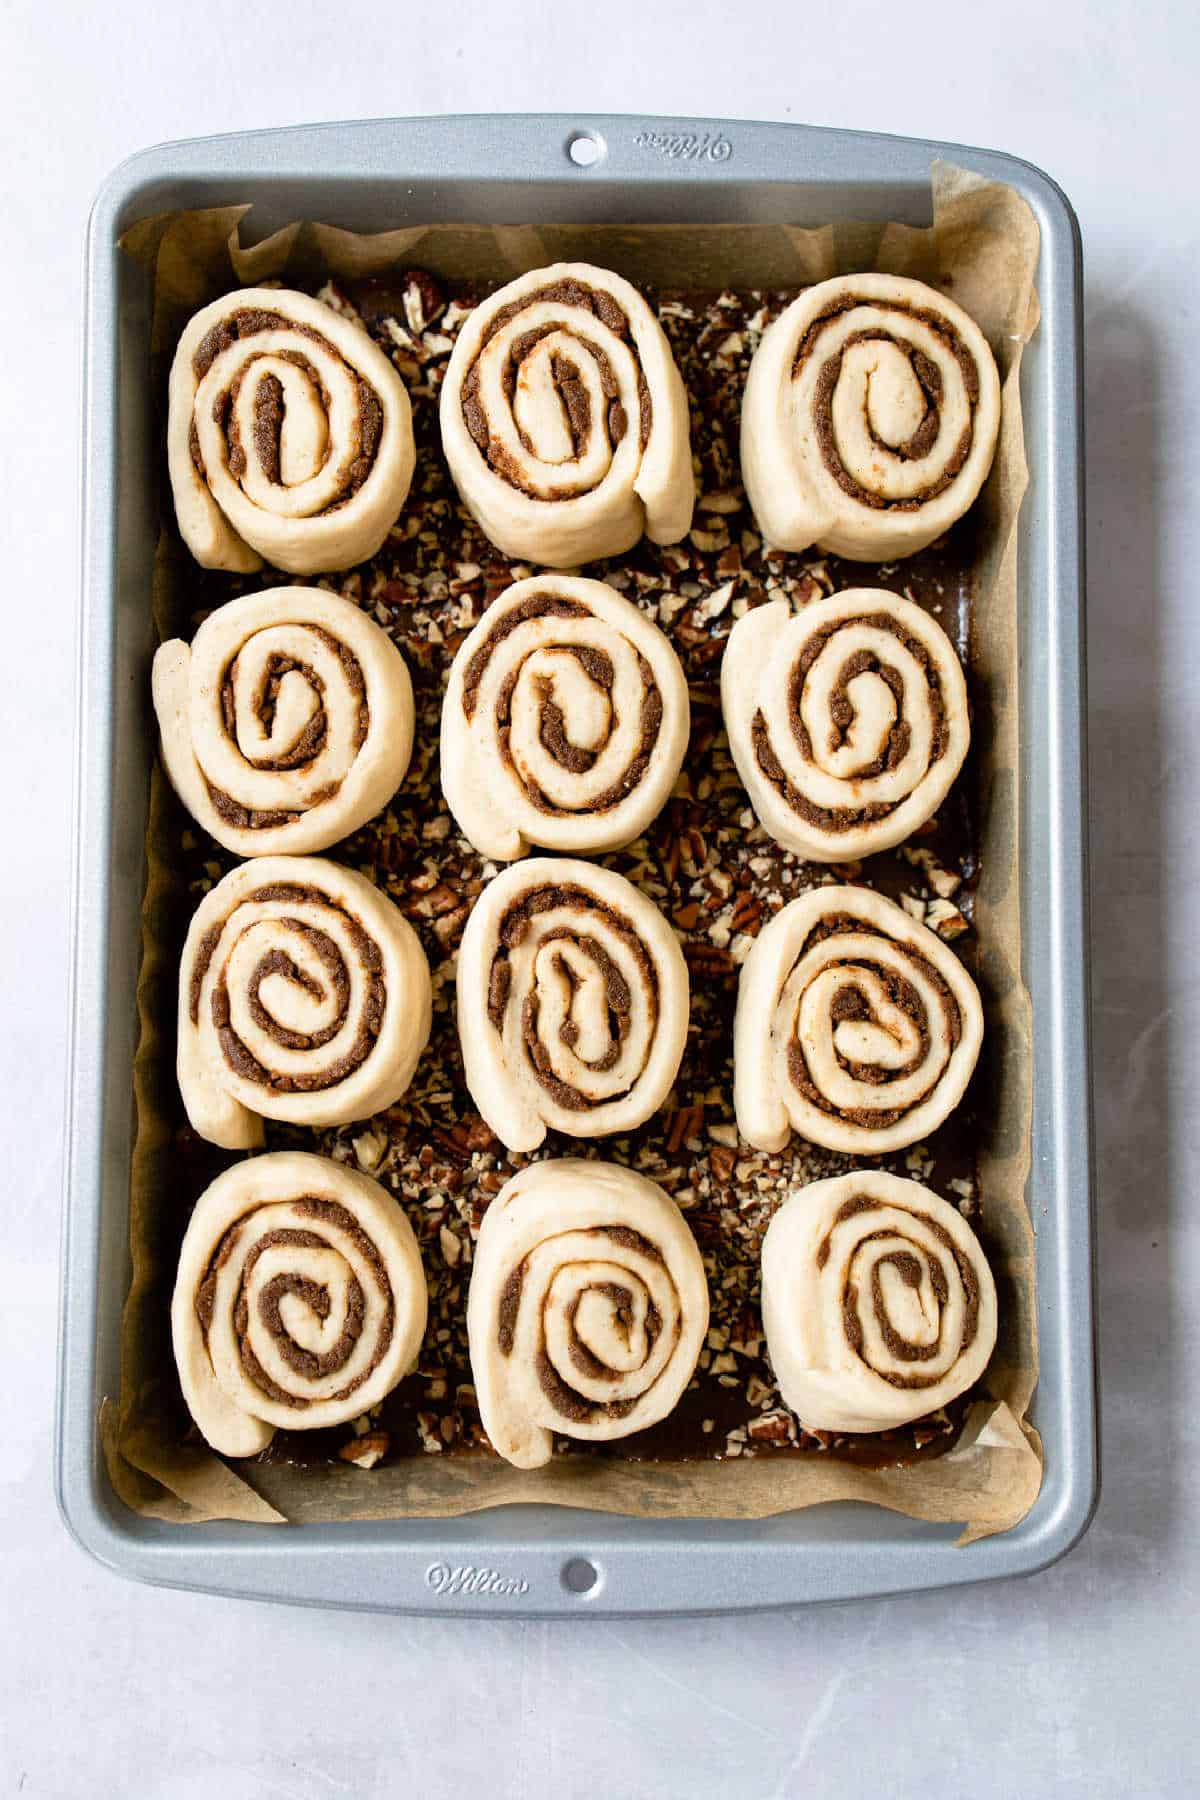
{"x": 579, "y": 1576}
{"x": 585, "y": 148}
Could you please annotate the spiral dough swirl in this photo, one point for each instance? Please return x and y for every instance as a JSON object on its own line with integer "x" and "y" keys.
{"x": 878, "y": 1303}
{"x": 856, "y": 1026}
{"x": 565, "y": 721}
{"x": 587, "y": 1310}
{"x": 287, "y": 724}
{"x": 564, "y": 420}
{"x": 572, "y": 1002}
{"x": 870, "y": 418}
{"x": 847, "y": 721}
{"x": 299, "y": 1300}
{"x": 289, "y": 435}
{"x": 304, "y": 995}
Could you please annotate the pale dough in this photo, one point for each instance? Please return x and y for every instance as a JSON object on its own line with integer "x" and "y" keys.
{"x": 903, "y": 1270}
{"x": 883, "y": 1072}
{"x": 557, "y": 486}
{"x": 285, "y": 494}
{"x": 326, "y": 746}
{"x": 588, "y": 932}
{"x": 577, "y": 1326}
{"x": 248, "y": 1246}
{"x": 909, "y": 692}
{"x": 870, "y": 418}
{"x": 302, "y": 970}
{"x": 561, "y": 652}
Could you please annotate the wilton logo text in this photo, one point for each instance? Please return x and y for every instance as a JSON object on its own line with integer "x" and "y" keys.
{"x": 446, "y": 1581}
{"x": 686, "y": 146}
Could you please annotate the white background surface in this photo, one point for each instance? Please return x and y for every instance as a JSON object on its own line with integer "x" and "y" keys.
{"x": 1078, "y": 1682}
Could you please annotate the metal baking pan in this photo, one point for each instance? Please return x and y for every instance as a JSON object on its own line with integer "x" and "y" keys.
{"x": 547, "y": 1560}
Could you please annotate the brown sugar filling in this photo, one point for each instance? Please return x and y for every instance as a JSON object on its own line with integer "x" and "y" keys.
{"x": 513, "y": 927}
{"x": 268, "y": 426}
{"x": 619, "y": 1003}
{"x": 307, "y": 746}
{"x": 536, "y": 606}
{"x": 908, "y": 1265}
{"x": 929, "y": 379}
{"x": 249, "y": 322}
{"x": 552, "y": 724}
{"x": 588, "y": 1364}
{"x": 552, "y": 729}
{"x": 572, "y": 392}
{"x": 851, "y": 1003}
{"x": 567, "y": 1402}
{"x": 509, "y": 1305}
{"x": 277, "y": 962}
{"x": 553, "y": 736}
{"x": 845, "y": 818}
{"x": 309, "y": 1365}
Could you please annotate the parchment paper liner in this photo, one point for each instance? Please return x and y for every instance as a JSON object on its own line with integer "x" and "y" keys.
{"x": 983, "y": 245}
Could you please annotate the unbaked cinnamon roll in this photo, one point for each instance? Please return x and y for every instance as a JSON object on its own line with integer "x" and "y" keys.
{"x": 299, "y": 1301}
{"x": 289, "y": 435}
{"x": 878, "y": 1303}
{"x": 870, "y": 418}
{"x": 856, "y": 1026}
{"x": 587, "y": 1311}
{"x": 572, "y": 1002}
{"x": 847, "y": 721}
{"x": 565, "y": 721}
{"x": 564, "y": 420}
{"x": 304, "y": 995}
{"x": 287, "y": 724}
